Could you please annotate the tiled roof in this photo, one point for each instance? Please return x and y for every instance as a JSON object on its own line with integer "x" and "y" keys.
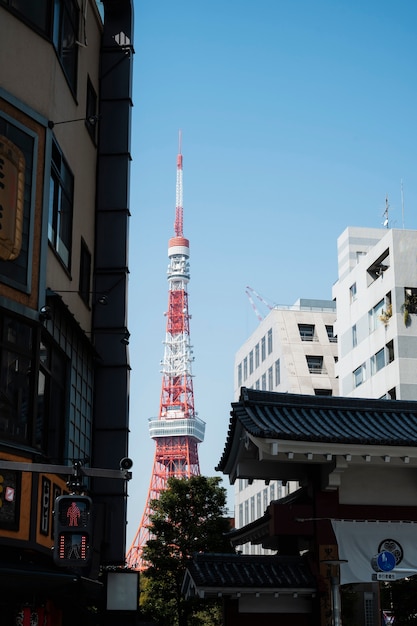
{"x": 323, "y": 419}
{"x": 250, "y": 572}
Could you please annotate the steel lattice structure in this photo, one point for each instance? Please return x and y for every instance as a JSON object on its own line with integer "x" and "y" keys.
{"x": 177, "y": 431}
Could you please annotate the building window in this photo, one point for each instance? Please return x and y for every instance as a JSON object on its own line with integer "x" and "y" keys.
{"x": 52, "y": 401}
{"x": 258, "y": 504}
{"x": 252, "y": 509}
{"x": 323, "y": 392}
{"x": 375, "y": 316}
{"x": 61, "y": 195}
{"x": 378, "y": 361}
{"x": 315, "y": 364}
{"x": 263, "y": 382}
{"x": 251, "y": 362}
{"x": 359, "y": 375}
{"x": 270, "y": 341}
{"x": 65, "y": 37}
{"x": 306, "y": 332}
{"x": 330, "y": 334}
{"x": 240, "y": 515}
{"x": 265, "y": 498}
{"x": 245, "y": 368}
{"x": 354, "y": 336}
{"x": 257, "y": 355}
{"x": 277, "y": 373}
{"x": 263, "y": 348}
{"x": 85, "y": 273}
{"x": 352, "y": 292}
{"x": 246, "y": 504}
{"x": 270, "y": 379}
{"x": 410, "y": 299}
{"x": 17, "y": 375}
{"x": 272, "y": 491}
{"x": 257, "y": 384}
{"x": 390, "y": 351}
{"x": 239, "y": 375}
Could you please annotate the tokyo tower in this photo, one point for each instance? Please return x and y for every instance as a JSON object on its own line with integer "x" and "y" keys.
{"x": 177, "y": 430}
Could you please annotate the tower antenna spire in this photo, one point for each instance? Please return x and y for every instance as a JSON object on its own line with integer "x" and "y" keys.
{"x": 177, "y": 430}
{"x": 178, "y": 224}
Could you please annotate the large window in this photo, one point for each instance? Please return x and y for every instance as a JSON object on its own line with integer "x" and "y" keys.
{"x": 239, "y": 375}
{"x": 257, "y": 355}
{"x": 378, "y": 361}
{"x": 16, "y": 379}
{"x": 306, "y": 332}
{"x": 354, "y": 336}
{"x": 245, "y": 368}
{"x": 52, "y": 401}
{"x": 65, "y": 36}
{"x": 277, "y": 372}
{"x": 330, "y": 334}
{"x": 270, "y": 341}
{"x": 263, "y": 348}
{"x": 375, "y": 315}
{"x": 251, "y": 362}
{"x": 61, "y": 195}
{"x": 410, "y": 299}
{"x": 315, "y": 364}
{"x": 359, "y": 375}
{"x": 270, "y": 379}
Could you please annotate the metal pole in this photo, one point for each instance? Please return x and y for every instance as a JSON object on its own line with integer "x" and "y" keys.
{"x": 336, "y": 603}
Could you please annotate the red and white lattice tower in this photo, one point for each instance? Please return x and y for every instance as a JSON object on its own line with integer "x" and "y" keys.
{"x": 177, "y": 431}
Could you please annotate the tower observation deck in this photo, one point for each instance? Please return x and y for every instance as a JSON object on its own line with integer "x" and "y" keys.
{"x": 177, "y": 430}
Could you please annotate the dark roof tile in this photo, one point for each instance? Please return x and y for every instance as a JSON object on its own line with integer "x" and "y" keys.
{"x": 249, "y": 571}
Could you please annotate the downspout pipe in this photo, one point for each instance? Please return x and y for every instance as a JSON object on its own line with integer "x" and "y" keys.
{"x": 110, "y": 331}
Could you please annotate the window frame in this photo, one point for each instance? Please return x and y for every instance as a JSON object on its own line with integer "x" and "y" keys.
{"x": 61, "y": 191}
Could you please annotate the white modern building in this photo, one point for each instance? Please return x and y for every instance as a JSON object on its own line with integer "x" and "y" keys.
{"x": 293, "y": 350}
{"x": 376, "y": 297}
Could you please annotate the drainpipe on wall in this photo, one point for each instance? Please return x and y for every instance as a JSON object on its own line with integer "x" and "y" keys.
{"x": 111, "y": 401}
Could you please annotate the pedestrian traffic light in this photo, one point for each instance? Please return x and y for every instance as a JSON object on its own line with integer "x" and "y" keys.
{"x": 73, "y": 531}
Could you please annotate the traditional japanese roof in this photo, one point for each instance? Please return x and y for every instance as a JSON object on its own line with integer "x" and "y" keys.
{"x": 275, "y": 423}
{"x": 215, "y": 574}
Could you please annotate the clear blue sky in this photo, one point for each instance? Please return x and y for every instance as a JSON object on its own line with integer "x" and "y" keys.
{"x": 298, "y": 118}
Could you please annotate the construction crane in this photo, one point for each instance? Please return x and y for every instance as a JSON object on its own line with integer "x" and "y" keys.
{"x": 249, "y": 291}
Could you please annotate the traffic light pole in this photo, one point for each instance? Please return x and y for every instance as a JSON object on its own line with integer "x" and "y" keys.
{"x": 76, "y": 471}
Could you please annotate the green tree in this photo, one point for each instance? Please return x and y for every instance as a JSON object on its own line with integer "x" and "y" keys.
{"x": 188, "y": 517}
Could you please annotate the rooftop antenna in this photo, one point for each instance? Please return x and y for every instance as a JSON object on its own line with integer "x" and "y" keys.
{"x": 385, "y": 213}
{"x": 402, "y": 202}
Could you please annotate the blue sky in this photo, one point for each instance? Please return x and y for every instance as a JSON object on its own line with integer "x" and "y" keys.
{"x": 298, "y": 118}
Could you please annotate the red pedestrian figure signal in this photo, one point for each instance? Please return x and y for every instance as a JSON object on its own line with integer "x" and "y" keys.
{"x": 73, "y": 531}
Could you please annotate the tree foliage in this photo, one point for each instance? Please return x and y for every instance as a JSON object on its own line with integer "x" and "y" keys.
{"x": 188, "y": 517}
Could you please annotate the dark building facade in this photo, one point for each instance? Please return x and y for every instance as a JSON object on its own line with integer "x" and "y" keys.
{"x": 65, "y": 126}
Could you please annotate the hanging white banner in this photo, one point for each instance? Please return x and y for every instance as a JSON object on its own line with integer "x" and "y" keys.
{"x": 376, "y": 550}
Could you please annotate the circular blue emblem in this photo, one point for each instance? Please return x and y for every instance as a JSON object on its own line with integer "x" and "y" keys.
{"x": 385, "y": 561}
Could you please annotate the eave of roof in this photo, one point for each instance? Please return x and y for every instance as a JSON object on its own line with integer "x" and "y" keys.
{"x": 233, "y": 573}
{"x": 316, "y": 424}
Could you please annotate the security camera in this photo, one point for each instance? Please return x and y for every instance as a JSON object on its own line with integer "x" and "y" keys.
{"x": 126, "y": 463}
